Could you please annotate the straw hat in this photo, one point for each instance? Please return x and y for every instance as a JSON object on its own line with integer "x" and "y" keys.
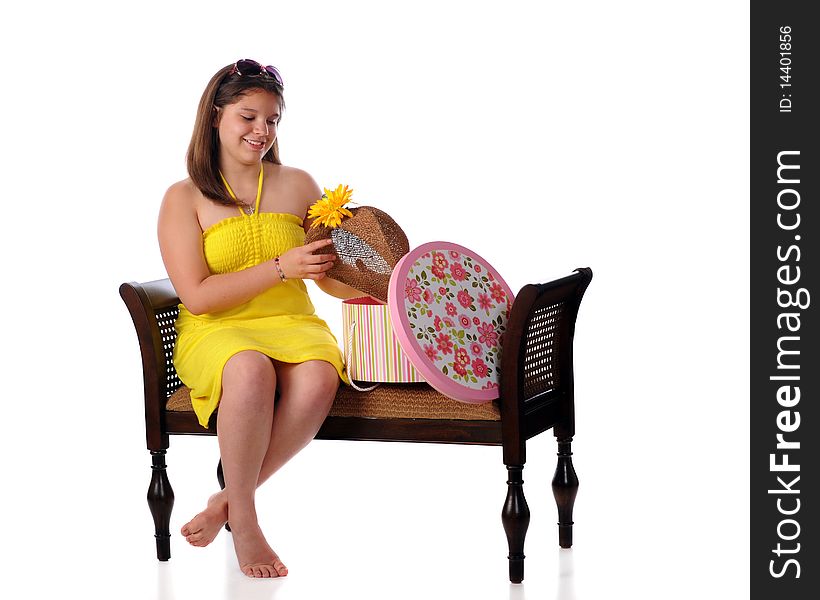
{"x": 368, "y": 242}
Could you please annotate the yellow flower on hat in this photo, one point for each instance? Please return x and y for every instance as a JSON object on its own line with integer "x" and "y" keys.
{"x": 329, "y": 210}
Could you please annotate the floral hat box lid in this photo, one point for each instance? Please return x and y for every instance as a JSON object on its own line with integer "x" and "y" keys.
{"x": 449, "y": 310}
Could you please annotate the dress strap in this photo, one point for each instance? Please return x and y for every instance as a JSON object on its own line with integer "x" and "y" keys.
{"x": 258, "y": 190}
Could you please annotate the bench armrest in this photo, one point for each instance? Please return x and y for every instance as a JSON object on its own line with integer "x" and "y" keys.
{"x": 153, "y": 307}
{"x": 536, "y": 385}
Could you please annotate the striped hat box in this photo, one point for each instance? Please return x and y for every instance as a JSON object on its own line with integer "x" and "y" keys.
{"x": 372, "y": 352}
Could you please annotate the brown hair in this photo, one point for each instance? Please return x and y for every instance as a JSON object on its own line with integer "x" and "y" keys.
{"x": 202, "y": 159}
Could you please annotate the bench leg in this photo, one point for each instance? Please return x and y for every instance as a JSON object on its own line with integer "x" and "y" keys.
{"x": 564, "y": 488}
{"x": 220, "y": 477}
{"x": 516, "y": 518}
{"x": 161, "y": 502}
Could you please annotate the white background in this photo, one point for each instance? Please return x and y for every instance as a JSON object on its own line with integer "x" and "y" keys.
{"x": 543, "y": 135}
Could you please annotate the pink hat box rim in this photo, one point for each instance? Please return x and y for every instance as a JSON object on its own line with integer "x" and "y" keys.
{"x": 401, "y": 326}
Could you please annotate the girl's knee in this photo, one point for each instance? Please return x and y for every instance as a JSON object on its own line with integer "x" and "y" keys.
{"x": 249, "y": 372}
{"x": 326, "y": 377}
{"x": 320, "y": 382}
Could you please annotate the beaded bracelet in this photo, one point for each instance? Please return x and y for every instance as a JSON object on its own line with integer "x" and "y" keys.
{"x": 279, "y": 269}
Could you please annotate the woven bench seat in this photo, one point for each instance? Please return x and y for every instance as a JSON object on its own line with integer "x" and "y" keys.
{"x": 387, "y": 401}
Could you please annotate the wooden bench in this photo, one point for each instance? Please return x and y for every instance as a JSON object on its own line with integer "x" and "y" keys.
{"x": 536, "y": 394}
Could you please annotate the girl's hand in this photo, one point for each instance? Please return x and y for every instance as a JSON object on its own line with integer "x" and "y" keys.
{"x": 302, "y": 263}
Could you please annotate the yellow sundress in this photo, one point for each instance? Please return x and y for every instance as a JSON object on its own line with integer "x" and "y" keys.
{"x": 280, "y": 322}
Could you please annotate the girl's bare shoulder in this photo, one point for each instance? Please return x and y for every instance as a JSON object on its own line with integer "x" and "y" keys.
{"x": 298, "y": 179}
{"x": 182, "y": 194}
{"x": 182, "y": 203}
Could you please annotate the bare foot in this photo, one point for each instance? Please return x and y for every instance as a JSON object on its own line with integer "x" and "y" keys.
{"x": 203, "y": 528}
{"x": 255, "y": 556}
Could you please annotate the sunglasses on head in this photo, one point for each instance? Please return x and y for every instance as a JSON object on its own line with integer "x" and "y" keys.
{"x": 250, "y": 68}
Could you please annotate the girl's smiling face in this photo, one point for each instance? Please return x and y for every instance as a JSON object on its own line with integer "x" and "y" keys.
{"x": 247, "y": 128}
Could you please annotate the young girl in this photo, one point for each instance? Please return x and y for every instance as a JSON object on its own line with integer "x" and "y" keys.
{"x": 232, "y": 240}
